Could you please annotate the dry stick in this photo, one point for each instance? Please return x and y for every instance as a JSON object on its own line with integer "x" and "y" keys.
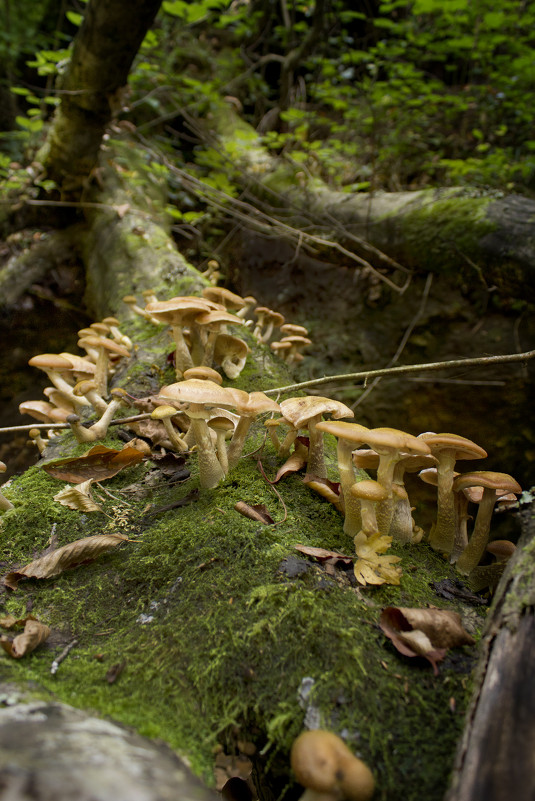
{"x": 60, "y": 426}
{"x": 408, "y": 368}
{"x": 478, "y": 361}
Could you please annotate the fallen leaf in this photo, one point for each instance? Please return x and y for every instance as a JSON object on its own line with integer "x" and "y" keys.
{"x": 33, "y": 635}
{"x": 296, "y": 461}
{"x": 256, "y": 512}
{"x": 115, "y": 671}
{"x": 322, "y": 555}
{"x": 9, "y": 622}
{"x": 371, "y": 566}
{"x": 424, "y": 632}
{"x": 98, "y": 464}
{"x": 330, "y": 490}
{"x": 78, "y": 497}
{"x": 76, "y": 553}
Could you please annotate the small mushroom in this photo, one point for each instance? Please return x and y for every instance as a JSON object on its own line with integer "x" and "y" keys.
{"x": 215, "y": 323}
{"x": 56, "y": 367}
{"x": 306, "y": 413}
{"x": 267, "y": 320}
{"x": 248, "y": 406}
{"x": 491, "y": 482}
{"x": 164, "y": 413}
{"x": 370, "y": 493}
{"x": 223, "y": 428}
{"x": 104, "y": 347}
{"x": 5, "y": 505}
{"x": 448, "y": 448}
{"x": 325, "y": 766}
{"x": 483, "y": 576}
{"x": 231, "y": 353}
{"x": 37, "y": 439}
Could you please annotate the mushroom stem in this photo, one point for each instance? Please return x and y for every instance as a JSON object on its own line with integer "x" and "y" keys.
{"x": 210, "y": 470}
{"x": 237, "y": 442}
{"x": 443, "y": 534}
{"x": 5, "y": 505}
{"x": 316, "y": 460}
{"x": 183, "y": 360}
{"x": 352, "y": 506}
{"x": 476, "y": 546}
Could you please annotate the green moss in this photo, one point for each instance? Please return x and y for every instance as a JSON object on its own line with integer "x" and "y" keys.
{"x": 211, "y": 630}
{"x": 445, "y": 235}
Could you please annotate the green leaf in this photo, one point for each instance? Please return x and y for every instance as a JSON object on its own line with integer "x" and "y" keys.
{"x": 74, "y": 18}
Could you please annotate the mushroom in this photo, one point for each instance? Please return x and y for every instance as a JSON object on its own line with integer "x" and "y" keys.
{"x": 164, "y": 413}
{"x": 248, "y": 405}
{"x": 297, "y": 343}
{"x": 179, "y": 313}
{"x": 131, "y": 302}
{"x": 99, "y": 429}
{"x": 117, "y": 334}
{"x": 5, "y": 505}
{"x": 349, "y": 436}
{"x": 104, "y": 347}
{"x": 37, "y": 439}
{"x": 231, "y": 353}
{"x": 199, "y": 396}
{"x": 369, "y": 493}
{"x": 402, "y": 526}
{"x": 489, "y": 575}
{"x": 267, "y": 320}
{"x": 88, "y": 389}
{"x": 225, "y": 297}
{"x": 448, "y": 448}
{"x": 215, "y": 323}
{"x": 491, "y": 482}
{"x": 55, "y": 366}
{"x": 39, "y": 410}
{"x": 222, "y": 427}
{"x": 306, "y": 413}
{"x": 325, "y": 766}
{"x": 203, "y": 372}
{"x": 281, "y": 348}
{"x": 250, "y": 303}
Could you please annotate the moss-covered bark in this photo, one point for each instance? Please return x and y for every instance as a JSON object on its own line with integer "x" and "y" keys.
{"x": 218, "y": 623}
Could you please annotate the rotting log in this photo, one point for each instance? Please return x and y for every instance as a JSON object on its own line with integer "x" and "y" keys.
{"x": 495, "y": 758}
{"x": 51, "y": 750}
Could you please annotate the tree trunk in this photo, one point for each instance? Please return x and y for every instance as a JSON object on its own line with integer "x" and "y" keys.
{"x": 495, "y": 758}
{"x": 103, "y": 51}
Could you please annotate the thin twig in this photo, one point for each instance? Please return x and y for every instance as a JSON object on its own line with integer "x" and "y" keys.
{"x": 61, "y": 426}
{"x": 277, "y": 493}
{"x": 59, "y": 659}
{"x": 408, "y": 368}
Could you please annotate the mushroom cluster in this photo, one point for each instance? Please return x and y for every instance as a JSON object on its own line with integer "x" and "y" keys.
{"x": 198, "y": 412}
{"x": 80, "y": 383}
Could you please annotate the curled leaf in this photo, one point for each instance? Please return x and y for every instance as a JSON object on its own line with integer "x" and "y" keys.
{"x": 295, "y": 462}
{"x": 257, "y": 511}
{"x": 76, "y": 553}
{"x": 424, "y": 632}
{"x": 98, "y": 464}
{"x": 322, "y": 555}
{"x": 78, "y": 497}
{"x": 33, "y": 635}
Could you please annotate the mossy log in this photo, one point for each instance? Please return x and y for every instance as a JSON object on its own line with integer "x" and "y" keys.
{"x": 465, "y": 233}
{"x": 495, "y": 758}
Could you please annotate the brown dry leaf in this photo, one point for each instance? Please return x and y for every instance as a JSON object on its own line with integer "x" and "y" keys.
{"x": 256, "y": 512}
{"x": 76, "y": 553}
{"x": 98, "y": 464}
{"x": 33, "y": 635}
{"x": 296, "y": 461}
{"x": 322, "y": 555}
{"x": 115, "y": 671}
{"x": 9, "y": 622}
{"x": 424, "y": 632}
{"x": 78, "y": 497}
{"x": 330, "y": 490}
{"x": 371, "y": 566}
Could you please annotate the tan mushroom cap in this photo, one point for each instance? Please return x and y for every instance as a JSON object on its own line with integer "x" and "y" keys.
{"x": 365, "y": 459}
{"x": 104, "y": 343}
{"x": 163, "y": 412}
{"x": 250, "y": 404}
{"x": 111, "y": 321}
{"x": 501, "y": 549}
{"x": 39, "y": 410}
{"x": 349, "y": 432}
{"x": 227, "y": 345}
{"x": 369, "y": 490}
{"x": 463, "y": 448}
{"x": 386, "y": 439}
{"x": 280, "y": 345}
{"x": 268, "y": 315}
{"x": 178, "y": 311}
{"x": 204, "y": 373}
{"x": 299, "y": 411}
{"x": 323, "y": 763}
{"x": 488, "y": 479}
{"x": 216, "y": 318}
{"x": 49, "y": 361}
{"x": 292, "y": 329}
{"x": 298, "y": 340}
{"x": 79, "y": 364}
{"x": 224, "y": 296}
{"x": 99, "y": 328}
{"x": 197, "y": 391}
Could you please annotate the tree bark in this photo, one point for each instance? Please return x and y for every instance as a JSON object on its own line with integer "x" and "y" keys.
{"x": 103, "y": 51}
{"x": 495, "y": 758}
